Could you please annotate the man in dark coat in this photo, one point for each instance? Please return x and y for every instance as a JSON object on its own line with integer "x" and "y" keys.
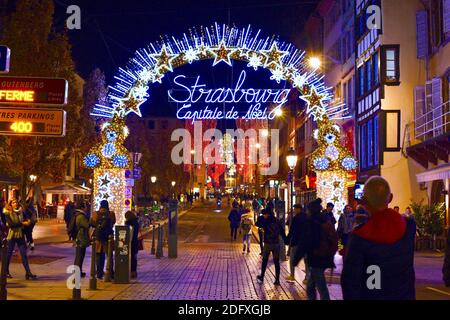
{"x": 379, "y": 264}
{"x": 298, "y": 238}
{"x": 323, "y": 246}
{"x": 446, "y": 266}
{"x": 273, "y": 230}
{"x": 235, "y": 220}
{"x": 328, "y": 213}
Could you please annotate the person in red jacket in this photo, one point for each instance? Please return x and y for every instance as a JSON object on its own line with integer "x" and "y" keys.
{"x": 379, "y": 264}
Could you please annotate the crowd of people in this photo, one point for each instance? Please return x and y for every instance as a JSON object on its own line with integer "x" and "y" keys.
{"x": 372, "y": 237}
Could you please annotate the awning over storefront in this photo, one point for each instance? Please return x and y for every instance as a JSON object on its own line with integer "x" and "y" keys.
{"x": 438, "y": 173}
{"x": 68, "y": 189}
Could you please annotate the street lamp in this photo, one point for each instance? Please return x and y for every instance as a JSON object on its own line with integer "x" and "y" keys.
{"x": 315, "y": 62}
{"x": 153, "y": 179}
{"x": 173, "y": 183}
{"x": 291, "y": 159}
{"x": 33, "y": 178}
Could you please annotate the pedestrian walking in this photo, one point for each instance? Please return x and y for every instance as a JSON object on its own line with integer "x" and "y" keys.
{"x": 79, "y": 231}
{"x": 324, "y": 245}
{"x": 132, "y": 221}
{"x": 29, "y": 214}
{"x": 298, "y": 238}
{"x": 235, "y": 220}
{"x": 385, "y": 241}
{"x": 328, "y": 213}
{"x": 260, "y": 233}
{"x": 346, "y": 224}
{"x": 247, "y": 222}
{"x": 15, "y": 223}
{"x": 273, "y": 230}
{"x": 103, "y": 223}
{"x": 69, "y": 211}
{"x": 2, "y": 214}
{"x": 408, "y": 214}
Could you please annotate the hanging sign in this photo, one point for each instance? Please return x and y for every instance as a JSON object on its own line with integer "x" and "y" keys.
{"x": 198, "y": 102}
{"x": 32, "y": 122}
{"x": 30, "y": 90}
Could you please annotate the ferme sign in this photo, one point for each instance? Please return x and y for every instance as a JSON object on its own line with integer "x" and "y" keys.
{"x": 39, "y": 91}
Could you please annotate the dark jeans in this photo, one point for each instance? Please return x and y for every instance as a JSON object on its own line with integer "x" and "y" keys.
{"x": 100, "y": 259}
{"x": 275, "y": 249}
{"x": 28, "y": 232}
{"x": 261, "y": 239}
{"x": 317, "y": 281}
{"x": 80, "y": 253}
{"x": 23, "y": 253}
{"x": 134, "y": 262}
{"x": 234, "y": 232}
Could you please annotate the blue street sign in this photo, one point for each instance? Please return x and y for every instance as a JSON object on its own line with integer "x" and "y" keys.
{"x": 136, "y": 173}
{"x": 4, "y": 59}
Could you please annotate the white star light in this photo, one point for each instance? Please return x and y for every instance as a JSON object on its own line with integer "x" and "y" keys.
{"x": 317, "y": 111}
{"x": 299, "y": 80}
{"x": 141, "y": 92}
{"x": 255, "y": 61}
{"x": 277, "y": 74}
{"x": 190, "y": 55}
{"x": 274, "y": 51}
{"x": 146, "y": 75}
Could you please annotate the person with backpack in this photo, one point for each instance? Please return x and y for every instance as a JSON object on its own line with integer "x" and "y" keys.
{"x": 273, "y": 230}
{"x": 79, "y": 231}
{"x": 386, "y": 242}
{"x": 103, "y": 223}
{"x": 235, "y": 219}
{"x": 247, "y": 222}
{"x": 29, "y": 214}
{"x": 323, "y": 247}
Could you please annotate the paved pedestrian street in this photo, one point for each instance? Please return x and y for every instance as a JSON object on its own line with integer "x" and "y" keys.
{"x": 208, "y": 266}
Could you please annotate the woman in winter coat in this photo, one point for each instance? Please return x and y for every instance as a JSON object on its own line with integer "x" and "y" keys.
{"x": 132, "y": 220}
{"x": 15, "y": 223}
{"x": 247, "y": 222}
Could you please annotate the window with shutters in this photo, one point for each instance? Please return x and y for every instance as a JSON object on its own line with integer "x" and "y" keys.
{"x": 422, "y": 42}
{"x": 419, "y": 112}
{"x": 446, "y": 18}
{"x": 436, "y": 22}
{"x": 437, "y": 102}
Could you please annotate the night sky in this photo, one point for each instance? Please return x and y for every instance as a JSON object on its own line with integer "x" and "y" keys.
{"x": 111, "y": 31}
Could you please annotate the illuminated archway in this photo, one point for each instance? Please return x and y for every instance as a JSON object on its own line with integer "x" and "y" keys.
{"x": 221, "y": 44}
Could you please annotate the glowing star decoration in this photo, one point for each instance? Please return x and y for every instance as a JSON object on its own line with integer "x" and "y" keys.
{"x": 299, "y": 80}
{"x": 331, "y": 178}
{"x": 164, "y": 60}
{"x": 222, "y": 54}
{"x": 277, "y": 75}
{"x": 131, "y": 103}
{"x": 273, "y": 56}
{"x": 255, "y": 61}
{"x": 141, "y": 92}
{"x": 315, "y": 104}
{"x": 147, "y": 75}
{"x": 190, "y": 55}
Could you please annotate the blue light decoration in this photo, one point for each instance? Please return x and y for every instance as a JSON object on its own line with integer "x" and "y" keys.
{"x": 108, "y": 150}
{"x": 111, "y": 136}
{"x": 120, "y": 161}
{"x": 91, "y": 160}
{"x": 222, "y": 44}
{"x": 329, "y": 138}
{"x": 349, "y": 163}
{"x": 321, "y": 163}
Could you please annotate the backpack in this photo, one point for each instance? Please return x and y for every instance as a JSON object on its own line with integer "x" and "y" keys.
{"x": 103, "y": 229}
{"x": 246, "y": 224}
{"x": 272, "y": 232}
{"x": 328, "y": 243}
{"x": 72, "y": 229}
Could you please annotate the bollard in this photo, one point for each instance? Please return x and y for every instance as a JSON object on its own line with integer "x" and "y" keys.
{"x": 3, "y": 279}
{"x": 93, "y": 276}
{"x": 159, "y": 249}
{"x": 76, "y": 294}
{"x": 108, "y": 259}
{"x": 152, "y": 251}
